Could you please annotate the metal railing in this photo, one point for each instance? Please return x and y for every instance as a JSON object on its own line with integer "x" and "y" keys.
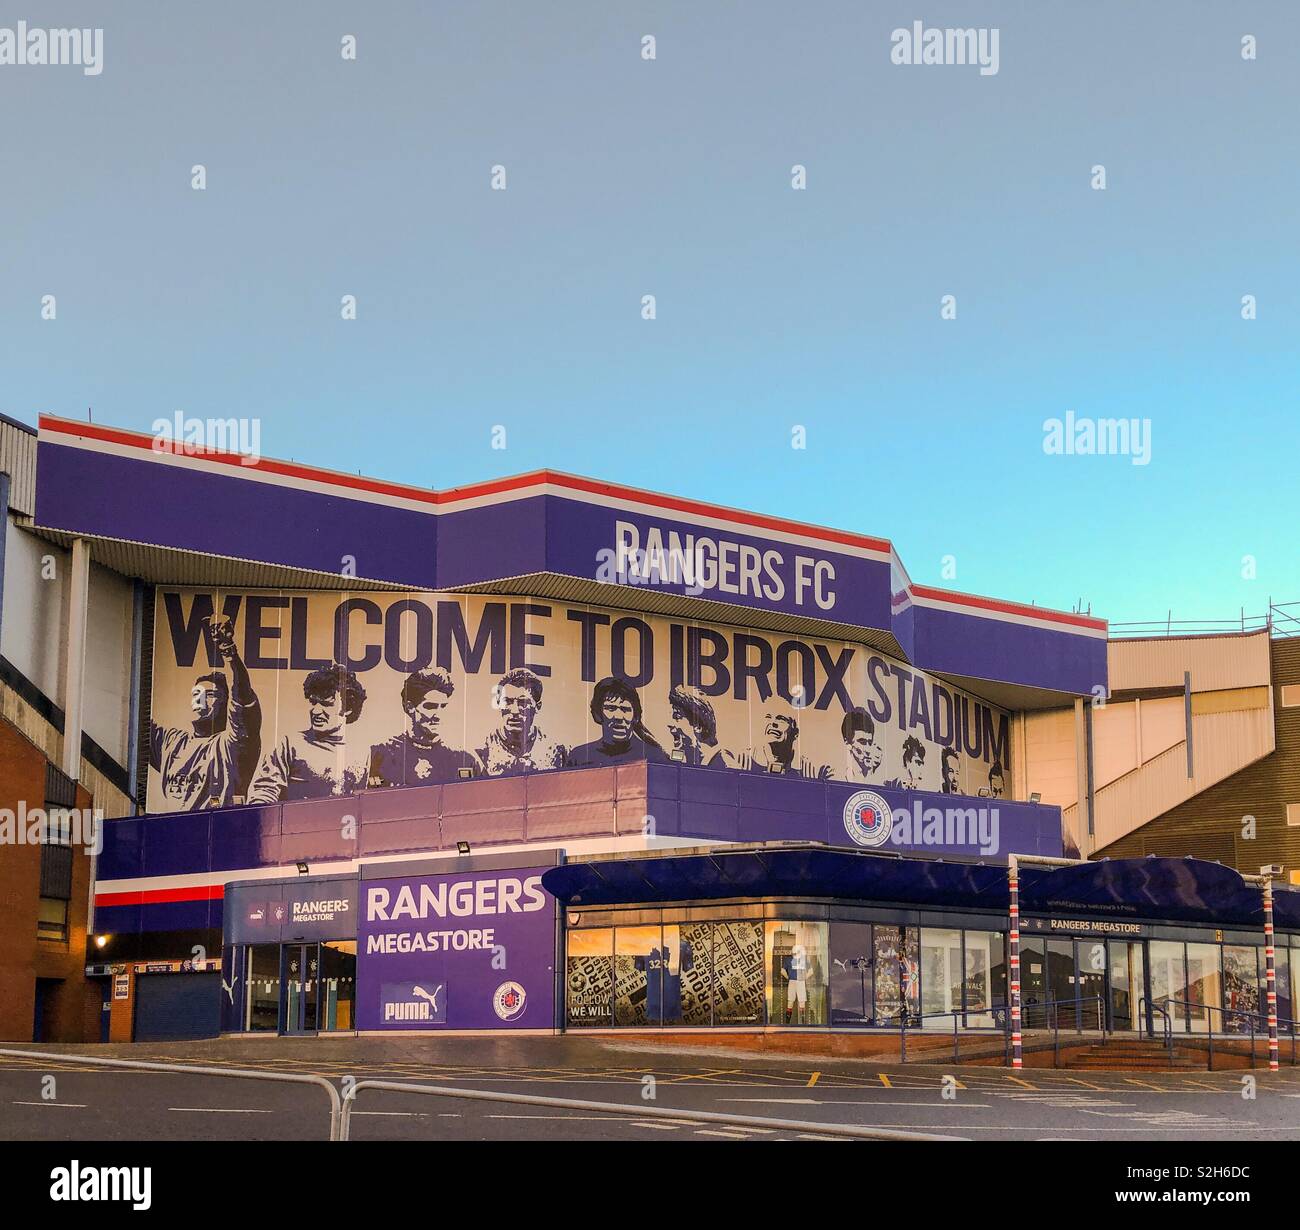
{"x": 141, "y": 1065}
{"x": 1280, "y": 619}
{"x": 1001, "y": 1014}
{"x": 341, "y": 1108}
{"x": 633, "y": 1112}
{"x": 1145, "y": 1016}
{"x": 1285, "y": 1025}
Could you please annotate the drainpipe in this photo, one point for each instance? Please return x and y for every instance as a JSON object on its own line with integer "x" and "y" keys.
{"x": 74, "y": 680}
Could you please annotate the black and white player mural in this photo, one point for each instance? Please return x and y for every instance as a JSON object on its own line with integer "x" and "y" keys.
{"x": 273, "y": 696}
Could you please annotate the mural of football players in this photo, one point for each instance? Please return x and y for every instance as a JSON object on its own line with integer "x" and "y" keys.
{"x": 316, "y": 763}
{"x": 913, "y": 765}
{"x": 210, "y": 764}
{"x": 693, "y": 727}
{"x": 997, "y": 783}
{"x": 950, "y": 768}
{"x": 518, "y": 744}
{"x": 616, "y": 705}
{"x": 778, "y": 753}
{"x": 864, "y": 753}
{"x": 419, "y": 756}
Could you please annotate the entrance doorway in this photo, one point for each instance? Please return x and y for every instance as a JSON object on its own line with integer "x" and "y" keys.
{"x": 317, "y": 987}
{"x": 299, "y": 978}
{"x": 1081, "y": 983}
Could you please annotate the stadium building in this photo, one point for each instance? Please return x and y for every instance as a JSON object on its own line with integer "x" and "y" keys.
{"x": 547, "y": 753}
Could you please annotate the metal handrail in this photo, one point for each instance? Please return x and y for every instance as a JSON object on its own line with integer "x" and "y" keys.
{"x": 1152, "y": 1006}
{"x": 293, "y": 1078}
{"x": 1005, "y": 1010}
{"x": 636, "y": 1112}
{"x": 1283, "y": 1024}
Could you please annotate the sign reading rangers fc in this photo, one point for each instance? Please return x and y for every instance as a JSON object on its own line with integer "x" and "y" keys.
{"x": 867, "y": 818}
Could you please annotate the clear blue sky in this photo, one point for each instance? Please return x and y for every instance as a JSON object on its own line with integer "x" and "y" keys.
{"x": 775, "y": 307}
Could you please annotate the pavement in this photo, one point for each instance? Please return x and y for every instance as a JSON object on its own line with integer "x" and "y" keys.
{"x": 59, "y": 1098}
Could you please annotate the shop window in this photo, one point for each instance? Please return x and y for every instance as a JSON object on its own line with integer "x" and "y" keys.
{"x": 1240, "y": 987}
{"x": 1282, "y": 963}
{"x": 263, "y": 981}
{"x": 738, "y": 973}
{"x": 1202, "y": 990}
{"x": 896, "y": 964}
{"x": 589, "y": 977}
{"x": 796, "y": 973}
{"x": 638, "y": 976}
{"x": 941, "y": 974}
{"x": 688, "y": 974}
{"x": 985, "y": 980}
{"x": 1167, "y": 980}
{"x": 338, "y": 984}
{"x": 1033, "y": 981}
{"x": 850, "y": 974}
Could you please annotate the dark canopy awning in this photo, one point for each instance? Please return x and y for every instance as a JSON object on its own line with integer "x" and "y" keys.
{"x": 1174, "y": 889}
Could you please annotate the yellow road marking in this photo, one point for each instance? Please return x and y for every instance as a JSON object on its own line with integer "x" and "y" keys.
{"x": 884, "y": 1080}
{"x": 812, "y": 1080}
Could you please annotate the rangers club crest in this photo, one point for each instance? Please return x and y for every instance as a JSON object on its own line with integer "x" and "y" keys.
{"x": 867, "y": 818}
{"x": 508, "y": 1000}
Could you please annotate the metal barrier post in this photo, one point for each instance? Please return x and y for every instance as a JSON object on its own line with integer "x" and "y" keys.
{"x": 140, "y": 1065}
{"x": 1270, "y": 975}
{"x": 1013, "y": 960}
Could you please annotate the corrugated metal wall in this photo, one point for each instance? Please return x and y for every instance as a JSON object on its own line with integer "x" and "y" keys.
{"x": 1232, "y": 661}
{"x": 18, "y": 460}
{"x": 1210, "y": 825}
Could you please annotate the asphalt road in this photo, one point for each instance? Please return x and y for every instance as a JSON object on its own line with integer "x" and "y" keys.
{"x": 56, "y": 1098}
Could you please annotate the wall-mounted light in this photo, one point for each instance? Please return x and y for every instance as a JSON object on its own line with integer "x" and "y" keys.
{"x": 303, "y": 869}
{"x": 465, "y": 772}
{"x": 462, "y": 847}
{"x": 100, "y": 941}
{"x": 1035, "y": 797}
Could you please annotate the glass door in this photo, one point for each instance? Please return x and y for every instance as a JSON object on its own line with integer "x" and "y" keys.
{"x": 1090, "y": 983}
{"x": 299, "y": 979}
{"x": 1127, "y": 984}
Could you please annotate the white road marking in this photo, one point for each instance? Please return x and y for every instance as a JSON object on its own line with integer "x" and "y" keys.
{"x": 66, "y": 1105}
{"x": 219, "y": 1110}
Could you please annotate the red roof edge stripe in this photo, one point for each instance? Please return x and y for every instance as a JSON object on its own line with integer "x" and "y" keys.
{"x": 1013, "y": 608}
{"x": 157, "y": 896}
{"x": 135, "y": 439}
{"x": 572, "y": 482}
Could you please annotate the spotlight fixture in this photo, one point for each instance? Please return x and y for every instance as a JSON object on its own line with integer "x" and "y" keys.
{"x": 462, "y": 847}
{"x": 303, "y": 869}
